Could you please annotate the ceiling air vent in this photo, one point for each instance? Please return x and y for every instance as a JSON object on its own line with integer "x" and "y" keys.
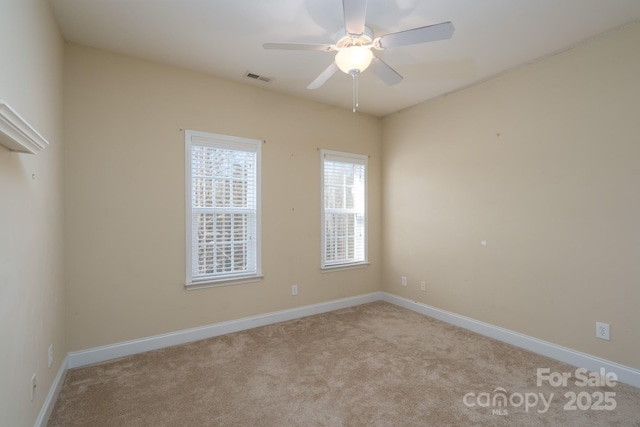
{"x": 257, "y": 77}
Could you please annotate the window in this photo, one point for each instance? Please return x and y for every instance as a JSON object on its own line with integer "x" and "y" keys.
{"x": 344, "y": 209}
{"x": 223, "y": 209}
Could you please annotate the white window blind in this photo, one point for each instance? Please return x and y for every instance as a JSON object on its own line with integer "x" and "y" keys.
{"x": 344, "y": 213}
{"x": 223, "y": 208}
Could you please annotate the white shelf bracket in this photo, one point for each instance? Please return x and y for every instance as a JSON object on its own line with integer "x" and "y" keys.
{"x": 18, "y": 135}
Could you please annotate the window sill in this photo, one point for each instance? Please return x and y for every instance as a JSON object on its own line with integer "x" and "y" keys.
{"x": 340, "y": 267}
{"x": 214, "y": 283}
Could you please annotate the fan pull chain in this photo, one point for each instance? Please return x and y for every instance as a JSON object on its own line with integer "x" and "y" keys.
{"x": 354, "y": 74}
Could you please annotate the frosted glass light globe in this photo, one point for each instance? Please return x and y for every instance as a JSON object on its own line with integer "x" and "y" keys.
{"x": 354, "y": 58}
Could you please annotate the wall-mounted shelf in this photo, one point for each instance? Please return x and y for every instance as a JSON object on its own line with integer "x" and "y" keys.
{"x": 18, "y": 135}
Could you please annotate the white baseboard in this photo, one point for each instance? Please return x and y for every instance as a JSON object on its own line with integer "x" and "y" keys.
{"x": 127, "y": 348}
{"x": 52, "y": 396}
{"x": 625, "y": 374}
{"x": 100, "y": 354}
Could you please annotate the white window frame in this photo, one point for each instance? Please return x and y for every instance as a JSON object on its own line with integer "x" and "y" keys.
{"x": 198, "y": 138}
{"x": 346, "y": 158}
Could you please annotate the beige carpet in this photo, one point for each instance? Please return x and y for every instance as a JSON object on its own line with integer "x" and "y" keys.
{"x": 371, "y": 365}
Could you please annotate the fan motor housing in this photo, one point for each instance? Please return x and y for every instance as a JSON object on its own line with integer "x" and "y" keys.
{"x": 345, "y": 39}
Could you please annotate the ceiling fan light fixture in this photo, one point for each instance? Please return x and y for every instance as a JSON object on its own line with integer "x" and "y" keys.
{"x": 354, "y": 59}
{"x": 354, "y": 43}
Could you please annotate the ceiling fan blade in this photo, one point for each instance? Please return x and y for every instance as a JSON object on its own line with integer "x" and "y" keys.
{"x": 385, "y": 72}
{"x": 299, "y": 46}
{"x": 324, "y": 76}
{"x": 429, "y": 33}
{"x": 355, "y": 12}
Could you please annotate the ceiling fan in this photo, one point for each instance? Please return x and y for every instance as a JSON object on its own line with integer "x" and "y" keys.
{"x": 355, "y": 44}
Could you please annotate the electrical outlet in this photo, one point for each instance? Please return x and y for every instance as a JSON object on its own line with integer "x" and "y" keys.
{"x": 602, "y": 331}
{"x": 423, "y": 286}
{"x": 294, "y": 289}
{"x": 33, "y": 386}
{"x": 404, "y": 281}
{"x": 50, "y": 355}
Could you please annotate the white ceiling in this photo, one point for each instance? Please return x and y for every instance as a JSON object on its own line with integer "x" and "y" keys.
{"x": 224, "y": 38}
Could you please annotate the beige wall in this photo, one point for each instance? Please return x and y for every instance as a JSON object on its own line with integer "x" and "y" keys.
{"x": 31, "y": 213}
{"x": 544, "y": 164}
{"x": 125, "y": 196}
